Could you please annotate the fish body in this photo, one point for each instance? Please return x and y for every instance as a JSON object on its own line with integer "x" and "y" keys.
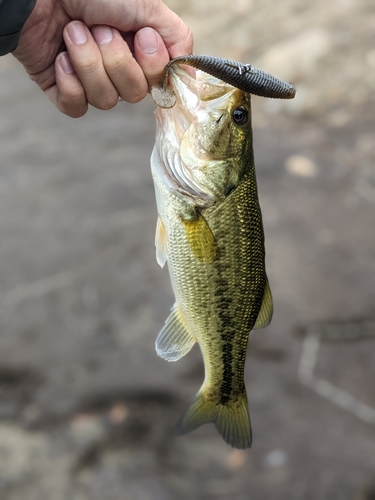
{"x": 210, "y": 233}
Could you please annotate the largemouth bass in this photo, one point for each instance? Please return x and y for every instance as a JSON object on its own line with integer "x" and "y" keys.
{"x": 210, "y": 233}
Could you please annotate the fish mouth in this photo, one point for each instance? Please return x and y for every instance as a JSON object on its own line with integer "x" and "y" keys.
{"x": 195, "y": 99}
{"x": 194, "y": 96}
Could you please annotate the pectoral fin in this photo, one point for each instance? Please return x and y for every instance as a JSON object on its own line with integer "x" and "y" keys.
{"x": 174, "y": 340}
{"x": 161, "y": 243}
{"x": 266, "y": 310}
{"x": 201, "y": 239}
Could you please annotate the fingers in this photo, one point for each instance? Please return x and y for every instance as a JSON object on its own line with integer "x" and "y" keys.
{"x": 133, "y": 15}
{"x": 151, "y": 54}
{"x": 177, "y": 36}
{"x": 87, "y": 62}
{"x": 68, "y": 94}
{"x": 99, "y": 67}
{"x": 119, "y": 64}
{"x": 131, "y": 76}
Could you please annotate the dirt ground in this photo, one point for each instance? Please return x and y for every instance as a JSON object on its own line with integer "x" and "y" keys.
{"x": 87, "y": 409}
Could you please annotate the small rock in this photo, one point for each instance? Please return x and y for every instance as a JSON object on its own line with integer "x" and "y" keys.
{"x": 86, "y": 427}
{"x": 236, "y": 459}
{"x": 275, "y": 458}
{"x": 301, "y": 166}
{"x": 338, "y": 119}
{"x": 118, "y": 413}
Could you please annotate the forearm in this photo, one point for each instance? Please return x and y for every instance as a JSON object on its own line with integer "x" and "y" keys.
{"x": 13, "y": 15}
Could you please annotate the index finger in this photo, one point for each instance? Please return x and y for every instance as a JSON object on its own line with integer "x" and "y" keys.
{"x": 151, "y": 54}
{"x": 177, "y": 36}
{"x": 133, "y": 15}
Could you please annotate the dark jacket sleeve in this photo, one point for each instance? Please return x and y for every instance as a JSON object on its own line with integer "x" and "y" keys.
{"x": 13, "y": 15}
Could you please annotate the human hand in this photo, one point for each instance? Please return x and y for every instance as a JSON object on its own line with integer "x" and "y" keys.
{"x": 84, "y": 52}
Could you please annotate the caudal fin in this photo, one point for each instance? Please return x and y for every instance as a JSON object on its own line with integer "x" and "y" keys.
{"x": 232, "y": 419}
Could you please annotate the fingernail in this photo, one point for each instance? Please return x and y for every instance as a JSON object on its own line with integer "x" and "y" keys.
{"x": 102, "y": 34}
{"x": 147, "y": 40}
{"x": 77, "y": 33}
{"x": 65, "y": 63}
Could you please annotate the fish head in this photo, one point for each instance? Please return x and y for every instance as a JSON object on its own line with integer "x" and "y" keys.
{"x": 204, "y": 142}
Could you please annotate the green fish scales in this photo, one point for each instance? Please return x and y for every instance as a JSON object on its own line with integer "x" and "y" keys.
{"x": 225, "y": 294}
{"x": 210, "y": 233}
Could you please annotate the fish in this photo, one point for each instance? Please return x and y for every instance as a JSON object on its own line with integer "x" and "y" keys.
{"x": 210, "y": 233}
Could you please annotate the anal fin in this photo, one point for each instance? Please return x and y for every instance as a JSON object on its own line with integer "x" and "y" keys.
{"x": 174, "y": 339}
{"x": 266, "y": 310}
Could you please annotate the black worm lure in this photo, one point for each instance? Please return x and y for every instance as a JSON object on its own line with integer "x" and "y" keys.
{"x": 242, "y": 76}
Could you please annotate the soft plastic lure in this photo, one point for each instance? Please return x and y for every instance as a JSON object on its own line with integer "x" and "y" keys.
{"x": 242, "y": 76}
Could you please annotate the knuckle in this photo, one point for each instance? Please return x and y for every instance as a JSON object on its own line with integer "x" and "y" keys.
{"x": 135, "y": 96}
{"x": 73, "y": 104}
{"x": 186, "y": 35}
{"x": 72, "y": 111}
{"x": 185, "y": 43}
{"x": 115, "y": 63}
{"x": 103, "y": 97}
{"x": 77, "y": 113}
{"x": 189, "y": 39}
{"x": 88, "y": 64}
{"x": 108, "y": 103}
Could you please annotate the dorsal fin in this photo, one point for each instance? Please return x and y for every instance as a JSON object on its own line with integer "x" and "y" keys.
{"x": 174, "y": 339}
{"x": 266, "y": 310}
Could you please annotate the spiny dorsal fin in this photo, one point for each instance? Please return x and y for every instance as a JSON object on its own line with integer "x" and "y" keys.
{"x": 161, "y": 243}
{"x": 174, "y": 340}
{"x": 201, "y": 239}
{"x": 266, "y": 310}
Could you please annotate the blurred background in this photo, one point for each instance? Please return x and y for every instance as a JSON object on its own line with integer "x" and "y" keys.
{"x": 87, "y": 409}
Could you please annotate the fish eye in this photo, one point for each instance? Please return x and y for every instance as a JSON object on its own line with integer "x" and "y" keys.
{"x": 240, "y": 115}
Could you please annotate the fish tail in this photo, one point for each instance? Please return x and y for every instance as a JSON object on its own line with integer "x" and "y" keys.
{"x": 232, "y": 419}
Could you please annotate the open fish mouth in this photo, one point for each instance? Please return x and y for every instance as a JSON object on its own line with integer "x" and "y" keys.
{"x": 194, "y": 96}
{"x": 176, "y": 152}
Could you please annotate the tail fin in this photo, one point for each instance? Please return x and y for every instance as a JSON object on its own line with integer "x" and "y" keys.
{"x": 232, "y": 419}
